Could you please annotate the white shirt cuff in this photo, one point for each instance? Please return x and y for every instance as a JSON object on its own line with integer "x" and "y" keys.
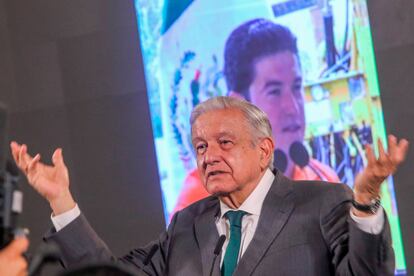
{"x": 372, "y": 224}
{"x": 60, "y": 221}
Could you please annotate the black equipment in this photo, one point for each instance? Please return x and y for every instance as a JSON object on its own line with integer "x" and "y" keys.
{"x": 11, "y": 198}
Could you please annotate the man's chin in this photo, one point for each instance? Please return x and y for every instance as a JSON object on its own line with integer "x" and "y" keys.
{"x": 217, "y": 191}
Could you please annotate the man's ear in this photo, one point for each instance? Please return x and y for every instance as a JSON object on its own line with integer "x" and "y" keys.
{"x": 267, "y": 148}
{"x": 236, "y": 95}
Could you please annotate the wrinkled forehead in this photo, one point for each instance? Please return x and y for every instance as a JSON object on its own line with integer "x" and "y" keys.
{"x": 217, "y": 113}
{"x": 216, "y": 121}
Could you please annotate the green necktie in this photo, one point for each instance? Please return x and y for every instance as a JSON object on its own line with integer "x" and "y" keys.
{"x": 233, "y": 248}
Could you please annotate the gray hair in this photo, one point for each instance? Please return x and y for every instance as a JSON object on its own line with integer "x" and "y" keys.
{"x": 257, "y": 120}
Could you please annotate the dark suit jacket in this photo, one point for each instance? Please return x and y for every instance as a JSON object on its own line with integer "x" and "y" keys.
{"x": 304, "y": 229}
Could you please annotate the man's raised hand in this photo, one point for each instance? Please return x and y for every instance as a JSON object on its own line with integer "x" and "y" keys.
{"x": 50, "y": 181}
{"x": 368, "y": 182}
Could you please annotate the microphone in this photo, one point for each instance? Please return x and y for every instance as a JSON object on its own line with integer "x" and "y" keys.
{"x": 299, "y": 154}
{"x": 217, "y": 250}
{"x": 300, "y": 157}
{"x": 11, "y": 203}
{"x": 280, "y": 160}
{"x": 11, "y": 198}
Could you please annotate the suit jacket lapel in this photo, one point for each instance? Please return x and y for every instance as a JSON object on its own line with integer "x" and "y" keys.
{"x": 277, "y": 207}
{"x": 207, "y": 237}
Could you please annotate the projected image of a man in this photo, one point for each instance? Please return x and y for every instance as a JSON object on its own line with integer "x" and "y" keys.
{"x": 261, "y": 65}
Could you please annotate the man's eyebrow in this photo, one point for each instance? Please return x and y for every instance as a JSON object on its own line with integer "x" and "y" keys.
{"x": 219, "y": 135}
{"x": 225, "y": 133}
{"x": 196, "y": 139}
{"x": 272, "y": 83}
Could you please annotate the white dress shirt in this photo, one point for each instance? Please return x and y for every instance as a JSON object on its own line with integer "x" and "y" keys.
{"x": 253, "y": 206}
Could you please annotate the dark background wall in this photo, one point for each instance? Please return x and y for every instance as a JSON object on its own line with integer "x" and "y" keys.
{"x": 71, "y": 73}
{"x": 392, "y": 25}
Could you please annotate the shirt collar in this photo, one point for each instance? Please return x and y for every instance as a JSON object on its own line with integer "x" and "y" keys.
{"x": 254, "y": 202}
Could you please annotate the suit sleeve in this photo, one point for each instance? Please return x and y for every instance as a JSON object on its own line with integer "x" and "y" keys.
{"x": 80, "y": 244}
{"x": 353, "y": 251}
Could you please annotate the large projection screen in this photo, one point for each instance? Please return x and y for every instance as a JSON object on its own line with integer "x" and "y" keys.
{"x": 183, "y": 44}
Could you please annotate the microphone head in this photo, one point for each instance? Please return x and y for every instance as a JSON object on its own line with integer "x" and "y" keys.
{"x": 219, "y": 244}
{"x": 299, "y": 154}
{"x": 280, "y": 160}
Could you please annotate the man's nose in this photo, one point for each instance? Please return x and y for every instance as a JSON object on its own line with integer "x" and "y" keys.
{"x": 290, "y": 103}
{"x": 212, "y": 155}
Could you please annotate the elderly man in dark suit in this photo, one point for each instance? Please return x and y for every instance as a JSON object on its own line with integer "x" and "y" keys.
{"x": 272, "y": 225}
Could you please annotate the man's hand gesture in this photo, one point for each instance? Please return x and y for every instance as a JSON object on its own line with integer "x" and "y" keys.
{"x": 51, "y": 182}
{"x": 368, "y": 182}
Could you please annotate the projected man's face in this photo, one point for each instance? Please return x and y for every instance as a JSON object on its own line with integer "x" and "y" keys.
{"x": 277, "y": 90}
